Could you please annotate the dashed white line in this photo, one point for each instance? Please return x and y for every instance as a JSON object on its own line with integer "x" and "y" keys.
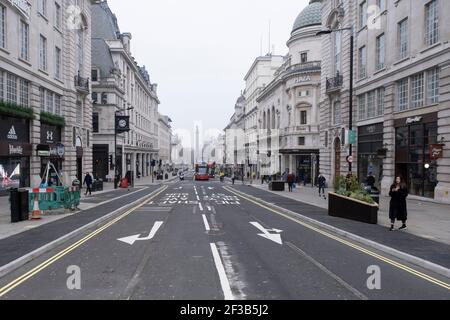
{"x": 222, "y": 275}
{"x": 205, "y": 221}
{"x": 200, "y": 206}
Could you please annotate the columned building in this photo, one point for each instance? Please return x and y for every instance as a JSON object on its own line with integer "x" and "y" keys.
{"x": 121, "y": 86}
{"x": 45, "y": 106}
{"x": 235, "y": 138}
{"x": 289, "y": 104}
{"x": 401, "y": 97}
{"x": 165, "y": 139}
{"x": 259, "y": 75}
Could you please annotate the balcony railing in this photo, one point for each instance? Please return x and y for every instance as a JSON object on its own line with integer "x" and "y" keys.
{"x": 82, "y": 84}
{"x": 335, "y": 83}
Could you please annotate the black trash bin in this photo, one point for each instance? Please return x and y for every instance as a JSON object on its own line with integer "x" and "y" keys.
{"x": 24, "y": 195}
{"x": 14, "y": 200}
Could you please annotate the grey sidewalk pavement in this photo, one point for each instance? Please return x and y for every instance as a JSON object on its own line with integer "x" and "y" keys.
{"x": 8, "y": 229}
{"x": 425, "y": 219}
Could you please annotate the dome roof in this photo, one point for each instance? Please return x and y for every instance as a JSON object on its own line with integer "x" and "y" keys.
{"x": 310, "y": 16}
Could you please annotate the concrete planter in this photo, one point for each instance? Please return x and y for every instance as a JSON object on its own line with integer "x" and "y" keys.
{"x": 348, "y": 208}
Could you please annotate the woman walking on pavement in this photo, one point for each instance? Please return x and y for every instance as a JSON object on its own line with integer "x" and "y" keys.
{"x": 398, "y": 209}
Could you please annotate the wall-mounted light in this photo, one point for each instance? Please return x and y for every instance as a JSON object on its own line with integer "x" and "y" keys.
{"x": 427, "y": 166}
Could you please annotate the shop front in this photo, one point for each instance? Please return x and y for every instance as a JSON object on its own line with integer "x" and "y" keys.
{"x": 414, "y": 159}
{"x": 15, "y": 152}
{"x": 371, "y": 153}
{"x": 305, "y": 164}
{"x": 51, "y": 149}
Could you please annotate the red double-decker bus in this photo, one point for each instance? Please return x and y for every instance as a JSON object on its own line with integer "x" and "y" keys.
{"x": 202, "y": 172}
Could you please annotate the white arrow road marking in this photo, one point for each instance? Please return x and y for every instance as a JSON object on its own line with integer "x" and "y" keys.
{"x": 210, "y": 188}
{"x": 266, "y": 233}
{"x": 132, "y": 239}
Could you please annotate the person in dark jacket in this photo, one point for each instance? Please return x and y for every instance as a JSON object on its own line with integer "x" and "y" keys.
{"x": 398, "y": 209}
{"x": 88, "y": 183}
{"x": 322, "y": 183}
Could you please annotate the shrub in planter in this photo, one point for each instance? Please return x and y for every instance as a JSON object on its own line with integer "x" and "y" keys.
{"x": 351, "y": 201}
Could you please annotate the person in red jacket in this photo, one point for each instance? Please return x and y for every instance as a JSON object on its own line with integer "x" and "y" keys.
{"x": 291, "y": 181}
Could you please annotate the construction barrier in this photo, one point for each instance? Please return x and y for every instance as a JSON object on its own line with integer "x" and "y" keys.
{"x": 55, "y": 198}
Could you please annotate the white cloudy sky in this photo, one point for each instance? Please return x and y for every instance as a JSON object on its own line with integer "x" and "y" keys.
{"x": 198, "y": 51}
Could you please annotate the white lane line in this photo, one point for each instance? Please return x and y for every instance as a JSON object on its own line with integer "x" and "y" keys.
{"x": 200, "y": 206}
{"x": 205, "y": 221}
{"x": 222, "y": 275}
{"x": 198, "y": 198}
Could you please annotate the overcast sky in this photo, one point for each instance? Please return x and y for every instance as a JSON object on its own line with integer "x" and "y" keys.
{"x": 198, "y": 51}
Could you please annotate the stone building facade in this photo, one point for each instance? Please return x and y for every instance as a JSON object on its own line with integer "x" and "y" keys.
{"x": 120, "y": 86}
{"x": 289, "y": 104}
{"x": 401, "y": 97}
{"x": 46, "y": 111}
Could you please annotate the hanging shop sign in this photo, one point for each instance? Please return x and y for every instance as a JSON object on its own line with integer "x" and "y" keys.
{"x": 436, "y": 151}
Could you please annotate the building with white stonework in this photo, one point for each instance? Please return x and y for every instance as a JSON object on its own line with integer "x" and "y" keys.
{"x": 45, "y": 105}
{"x": 401, "y": 97}
{"x": 289, "y": 104}
{"x": 120, "y": 86}
{"x": 165, "y": 140}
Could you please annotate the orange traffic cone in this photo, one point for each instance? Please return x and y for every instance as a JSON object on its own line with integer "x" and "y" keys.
{"x": 36, "y": 214}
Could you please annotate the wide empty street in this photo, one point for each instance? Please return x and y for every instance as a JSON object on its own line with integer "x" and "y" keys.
{"x": 205, "y": 240}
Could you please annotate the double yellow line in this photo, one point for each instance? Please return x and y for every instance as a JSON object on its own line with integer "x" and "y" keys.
{"x": 352, "y": 245}
{"x": 45, "y": 264}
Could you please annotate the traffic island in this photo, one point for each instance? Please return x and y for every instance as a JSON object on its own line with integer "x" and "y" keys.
{"x": 353, "y": 209}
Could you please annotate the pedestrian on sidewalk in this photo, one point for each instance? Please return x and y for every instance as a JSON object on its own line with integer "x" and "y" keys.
{"x": 321, "y": 180}
{"x": 233, "y": 177}
{"x": 88, "y": 183}
{"x": 398, "y": 209}
{"x": 290, "y": 181}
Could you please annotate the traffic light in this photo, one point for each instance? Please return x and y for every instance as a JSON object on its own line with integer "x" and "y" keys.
{"x": 110, "y": 160}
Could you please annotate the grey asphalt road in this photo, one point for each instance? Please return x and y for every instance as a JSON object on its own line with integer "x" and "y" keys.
{"x": 199, "y": 241}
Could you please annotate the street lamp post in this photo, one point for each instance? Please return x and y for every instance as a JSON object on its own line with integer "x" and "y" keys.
{"x": 350, "y": 120}
{"x": 116, "y": 172}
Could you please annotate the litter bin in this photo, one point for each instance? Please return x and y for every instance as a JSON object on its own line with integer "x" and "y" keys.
{"x": 14, "y": 201}
{"x": 24, "y": 204}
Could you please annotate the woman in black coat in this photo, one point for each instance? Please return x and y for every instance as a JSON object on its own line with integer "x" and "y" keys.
{"x": 398, "y": 210}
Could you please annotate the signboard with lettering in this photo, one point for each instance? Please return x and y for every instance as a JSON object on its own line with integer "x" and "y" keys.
{"x": 15, "y": 149}
{"x": 50, "y": 134}
{"x": 14, "y": 130}
{"x": 436, "y": 151}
